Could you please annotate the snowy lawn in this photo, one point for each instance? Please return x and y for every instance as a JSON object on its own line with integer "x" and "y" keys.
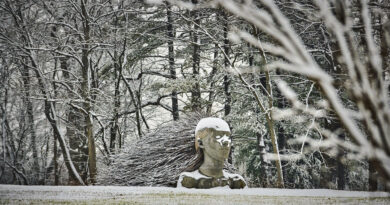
{"x": 14, "y": 194}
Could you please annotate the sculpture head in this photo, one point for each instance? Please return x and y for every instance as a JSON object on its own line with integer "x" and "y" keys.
{"x": 212, "y": 135}
{"x": 212, "y": 144}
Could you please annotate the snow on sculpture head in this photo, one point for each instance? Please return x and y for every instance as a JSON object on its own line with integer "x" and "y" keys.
{"x": 212, "y": 126}
{"x": 212, "y": 143}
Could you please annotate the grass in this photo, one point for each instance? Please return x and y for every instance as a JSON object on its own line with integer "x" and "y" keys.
{"x": 188, "y": 198}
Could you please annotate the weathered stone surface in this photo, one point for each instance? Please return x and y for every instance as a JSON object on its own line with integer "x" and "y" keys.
{"x": 212, "y": 137}
{"x": 197, "y": 180}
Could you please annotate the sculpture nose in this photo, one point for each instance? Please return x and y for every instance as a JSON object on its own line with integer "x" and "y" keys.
{"x": 225, "y": 143}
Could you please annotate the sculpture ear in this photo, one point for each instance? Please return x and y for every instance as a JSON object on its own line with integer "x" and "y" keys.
{"x": 200, "y": 143}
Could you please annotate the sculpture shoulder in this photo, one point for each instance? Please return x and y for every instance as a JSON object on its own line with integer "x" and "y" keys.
{"x": 197, "y": 180}
{"x": 232, "y": 176}
{"x": 236, "y": 180}
{"x": 190, "y": 179}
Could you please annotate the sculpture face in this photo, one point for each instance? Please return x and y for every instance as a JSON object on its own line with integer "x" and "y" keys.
{"x": 212, "y": 136}
{"x": 217, "y": 145}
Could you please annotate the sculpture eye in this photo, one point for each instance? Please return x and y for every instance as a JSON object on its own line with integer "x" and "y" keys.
{"x": 218, "y": 137}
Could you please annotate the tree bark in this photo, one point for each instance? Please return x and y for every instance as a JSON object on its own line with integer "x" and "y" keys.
{"x": 211, "y": 80}
{"x": 275, "y": 147}
{"x": 49, "y": 111}
{"x": 341, "y": 167}
{"x": 114, "y": 127}
{"x": 55, "y": 137}
{"x": 270, "y": 123}
{"x": 264, "y": 163}
{"x": 226, "y": 79}
{"x": 51, "y": 116}
{"x": 3, "y": 120}
{"x": 137, "y": 106}
{"x": 85, "y": 86}
{"x": 138, "y": 115}
{"x": 372, "y": 176}
{"x": 55, "y": 158}
{"x": 77, "y": 141}
{"x": 171, "y": 59}
{"x": 261, "y": 146}
{"x": 31, "y": 123}
{"x": 195, "y": 93}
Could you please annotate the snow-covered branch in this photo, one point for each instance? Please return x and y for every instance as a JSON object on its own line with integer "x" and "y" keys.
{"x": 365, "y": 75}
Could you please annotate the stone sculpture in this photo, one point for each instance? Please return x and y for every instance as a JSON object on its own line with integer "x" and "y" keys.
{"x": 212, "y": 143}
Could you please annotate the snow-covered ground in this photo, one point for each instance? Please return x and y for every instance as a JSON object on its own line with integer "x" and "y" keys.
{"x": 14, "y": 194}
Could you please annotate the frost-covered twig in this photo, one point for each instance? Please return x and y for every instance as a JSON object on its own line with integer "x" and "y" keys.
{"x": 365, "y": 76}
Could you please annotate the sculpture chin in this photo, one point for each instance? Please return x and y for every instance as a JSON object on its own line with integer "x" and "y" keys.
{"x": 225, "y": 153}
{"x": 220, "y": 154}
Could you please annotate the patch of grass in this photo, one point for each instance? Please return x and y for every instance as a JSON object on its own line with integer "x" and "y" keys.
{"x": 187, "y": 198}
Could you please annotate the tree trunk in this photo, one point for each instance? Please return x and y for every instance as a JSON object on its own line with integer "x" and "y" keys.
{"x": 195, "y": 93}
{"x": 275, "y": 148}
{"x": 91, "y": 150}
{"x": 226, "y": 79}
{"x": 171, "y": 59}
{"x": 85, "y": 86}
{"x": 211, "y": 80}
{"x": 282, "y": 145}
{"x": 261, "y": 146}
{"x": 283, "y": 136}
{"x": 270, "y": 123}
{"x": 267, "y": 111}
{"x": 3, "y": 120}
{"x": 118, "y": 65}
{"x": 264, "y": 163}
{"x": 55, "y": 137}
{"x": 114, "y": 127}
{"x": 51, "y": 116}
{"x": 31, "y": 128}
{"x": 138, "y": 115}
{"x": 77, "y": 141}
{"x": 372, "y": 176}
{"x": 341, "y": 167}
{"x": 136, "y": 104}
{"x": 55, "y": 158}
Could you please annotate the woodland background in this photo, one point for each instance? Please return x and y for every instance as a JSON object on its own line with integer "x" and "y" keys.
{"x": 83, "y": 81}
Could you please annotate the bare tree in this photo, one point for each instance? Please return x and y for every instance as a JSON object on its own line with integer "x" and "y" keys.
{"x": 365, "y": 81}
{"x": 28, "y": 49}
{"x": 171, "y": 59}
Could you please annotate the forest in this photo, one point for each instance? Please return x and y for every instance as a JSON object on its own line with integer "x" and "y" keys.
{"x": 109, "y": 92}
